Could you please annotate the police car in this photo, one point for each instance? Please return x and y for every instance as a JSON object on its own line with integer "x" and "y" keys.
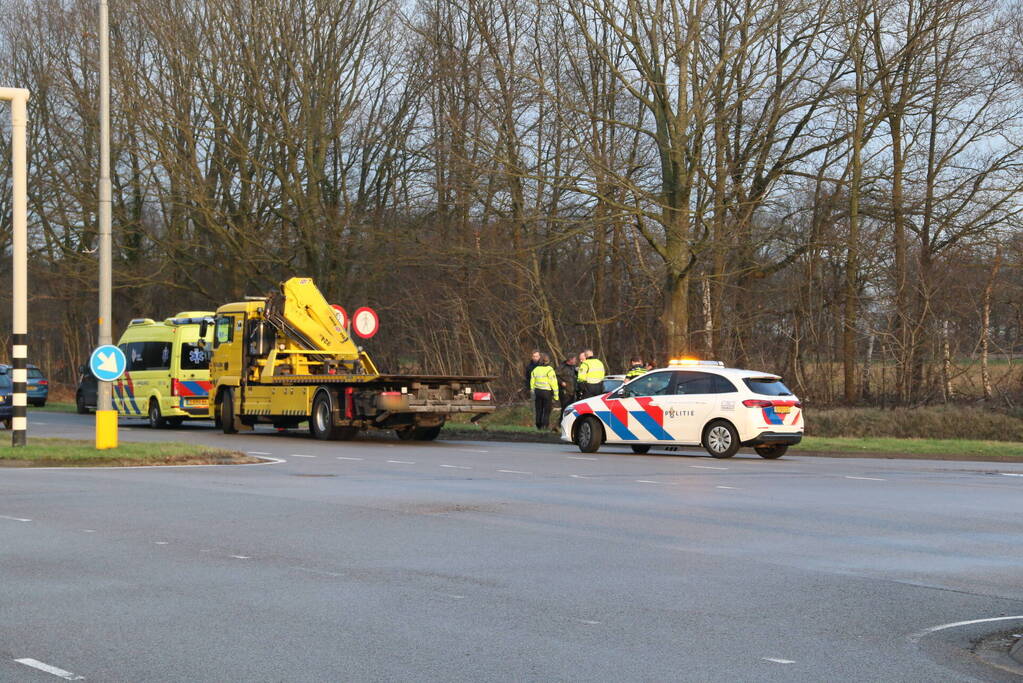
{"x": 690, "y": 403}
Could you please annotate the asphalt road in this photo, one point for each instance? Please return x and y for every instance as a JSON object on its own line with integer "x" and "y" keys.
{"x": 469, "y": 561}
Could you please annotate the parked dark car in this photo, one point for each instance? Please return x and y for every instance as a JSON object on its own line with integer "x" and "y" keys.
{"x": 6, "y": 407}
{"x": 85, "y": 395}
{"x": 38, "y": 388}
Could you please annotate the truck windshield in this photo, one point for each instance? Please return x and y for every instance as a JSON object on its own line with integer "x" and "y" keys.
{"x": 193, "y": 357}
{"x": 767, "y": 386}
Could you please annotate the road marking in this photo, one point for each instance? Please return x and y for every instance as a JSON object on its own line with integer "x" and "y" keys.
{"x": 159, "y": 542}
{"x": 580, "y": 476}
{"x": 1010, "y": 474}
{"x": 579, "y": 457}
{"x": 15, "y": 519}
{"x": 778, "y": 661}
{"x": 454, "y": 596}
{"x": 867, "y": 478}
{"x": 89, "y": 531}
{"x": 457, "y": 467}
{"x": 37, "y": 422}
{"x": 725, "y": 487}
{"x": 36, "y": 664}
{"x": 299, "y": 455}
{"x": 241, "y": 557}
{"x": 257, "y": 453}
{"x": 316, "y": 571}
{"x": 514, "y": 472}
{"x": 471, "y": 450}
{"x": 707, "y": 467}
{"x": 646, "y": 481}
{"x": 934, "y": 629}
{"x": 341, "y": 457}
{"x": 403, "y": 462}
{"x": 588, "y": 621}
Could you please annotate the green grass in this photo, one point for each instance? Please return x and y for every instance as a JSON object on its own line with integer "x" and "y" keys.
{"x": 77, "y": 453}
{"x": 53, "y": 407}
{"x": 938, "y": 447}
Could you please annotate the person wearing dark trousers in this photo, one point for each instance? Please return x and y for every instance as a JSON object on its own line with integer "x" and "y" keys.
{"x": 591, "y": 375}
{"x": 567, "y": 383}
{"x": 544, "y": 383}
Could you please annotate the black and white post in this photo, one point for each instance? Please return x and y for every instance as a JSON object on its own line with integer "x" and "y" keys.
{"x": 18, "y": 98}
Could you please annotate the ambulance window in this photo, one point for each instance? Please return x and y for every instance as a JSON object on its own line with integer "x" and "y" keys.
{"x": 194, "y": 357}
{"x": 151, "y": 355}
{"x": 225, "y": 330}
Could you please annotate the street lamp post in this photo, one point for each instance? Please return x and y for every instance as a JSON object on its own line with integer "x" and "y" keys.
{"x": 106, "y": 416}
{"x": 18, "y": 98}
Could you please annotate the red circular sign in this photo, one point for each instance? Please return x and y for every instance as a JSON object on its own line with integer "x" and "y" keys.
{"x": 342, "y": 315}
{"x": 365, "y": 322}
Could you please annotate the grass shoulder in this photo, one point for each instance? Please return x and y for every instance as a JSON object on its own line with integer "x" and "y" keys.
{"x": 79, "y": 453}
{"x": 958, "y": 449}
{"x": 54, "y": 407}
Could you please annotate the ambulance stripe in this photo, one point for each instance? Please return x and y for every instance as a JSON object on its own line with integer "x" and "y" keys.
{"x": 650, "y": 424}
{"x": 616, "y": 425}
{"x": 131, "y": 394}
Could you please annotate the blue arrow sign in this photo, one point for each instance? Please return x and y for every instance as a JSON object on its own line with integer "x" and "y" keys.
{"x": 107, "y": 362}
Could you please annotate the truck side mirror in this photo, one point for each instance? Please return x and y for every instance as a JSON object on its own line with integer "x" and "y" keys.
{"x": 204, "y": 327}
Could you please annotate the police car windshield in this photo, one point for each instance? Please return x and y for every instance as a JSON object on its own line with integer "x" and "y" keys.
{"x": 194, "y": 358}
{"x": 767, "y": 386}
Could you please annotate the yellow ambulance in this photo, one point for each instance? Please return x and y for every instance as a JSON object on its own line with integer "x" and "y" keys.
{"x": 167, "y": 376}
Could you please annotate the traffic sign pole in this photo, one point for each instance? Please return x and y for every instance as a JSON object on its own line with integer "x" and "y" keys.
{"x": 107, "y": 363}
{"x": 106, "y": 416}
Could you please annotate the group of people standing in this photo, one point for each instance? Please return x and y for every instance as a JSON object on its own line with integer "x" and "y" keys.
{"x": 580, "y": 376}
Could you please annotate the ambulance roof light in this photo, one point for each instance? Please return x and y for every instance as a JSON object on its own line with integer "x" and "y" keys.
{"x": 142, "y": 321}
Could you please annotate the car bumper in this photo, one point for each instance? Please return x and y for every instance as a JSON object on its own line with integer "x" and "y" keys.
{"x": 765, "y": 438}
{"x": 566, "y": 425}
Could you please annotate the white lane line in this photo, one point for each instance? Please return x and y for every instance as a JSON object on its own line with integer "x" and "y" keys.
{"x": 588, "y": 621}
{"x": 471, "y": 450}
{"x": 457, "y": 467}
{"x": 579, "y": 457}
{"x": 36, "y": 664}
{"x": 257, "y": 453}
{"x": 580, "y": 476}
{"x": 37, "y": 422}
{"x": 1010, "y": 474}
{"x": 933, "y": 629}
{"x": 159, "y": 542}
{"x": 707, "y": 467}
{"x": 15, "y": 519}
{"x": 241, "y": 557}
{"x": 299, "y": 455}
{"x": 89, "y": 531}
{"x": 725, "y": 487}
{"x": 454, "y": 596}
{"x": 322, "y": 572}
{"x": 778, "y": 661}
{"x": 341, "y": 457}
{"x": 514, "y": 472}
{"x": 646, "y": 481}
{"x": 402, "y": 462}
{"x": 867, "y": 478}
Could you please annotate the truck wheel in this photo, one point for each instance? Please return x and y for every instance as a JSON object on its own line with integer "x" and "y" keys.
{"x": 589, "y": 435}
{"x": 321, "y": 422}
{"x": 80, "y": 405}
{"x": 721, "y": 439}
{"x": 771, "y": 451}
{"x": 406, "y": 434}
{"x": 426, "y": 433}
{"x": 156, "y": 420}
{"x": 227, "y": 412}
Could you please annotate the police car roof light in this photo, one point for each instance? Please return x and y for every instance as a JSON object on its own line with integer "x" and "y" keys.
{"x": 693, "y": 361}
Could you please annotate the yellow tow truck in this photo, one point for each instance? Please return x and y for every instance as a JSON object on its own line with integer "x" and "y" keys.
{"x": 286, "y": 358}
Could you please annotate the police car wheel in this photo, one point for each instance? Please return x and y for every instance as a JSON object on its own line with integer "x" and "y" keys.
{"x": 640, "y": 449}
{"x": 720, "y": 439}
{"x": 156, "y": 420}
{"x": 588, "y": 435}
{"x": 771, "y": 451}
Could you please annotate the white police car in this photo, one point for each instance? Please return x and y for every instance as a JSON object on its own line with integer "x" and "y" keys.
{"x": 691, "y": 403}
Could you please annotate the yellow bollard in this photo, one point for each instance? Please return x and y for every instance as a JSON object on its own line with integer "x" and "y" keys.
{"x": 106, "y": 429}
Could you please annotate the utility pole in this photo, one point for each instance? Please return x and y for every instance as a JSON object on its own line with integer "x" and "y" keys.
{"x": 106, "y": 417}
{"x": 18, "y": 98}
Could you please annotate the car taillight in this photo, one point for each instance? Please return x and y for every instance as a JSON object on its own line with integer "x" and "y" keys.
{"x": 798, "y": 404}
{"x": 390, "y": 393}
{"x": 43, "y": 382}
{"x": 481, "y": 395}
{"x": 757, "y": 403}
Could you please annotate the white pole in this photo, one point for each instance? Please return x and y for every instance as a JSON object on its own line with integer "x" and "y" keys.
{"x": 106, "y": 418}
{"x": 19, "y": 292}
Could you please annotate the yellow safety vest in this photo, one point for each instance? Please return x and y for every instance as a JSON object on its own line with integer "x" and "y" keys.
{"x": 635, "y": 372}
{"x": 591, "y": 371}
{"x": 543, "y": 377}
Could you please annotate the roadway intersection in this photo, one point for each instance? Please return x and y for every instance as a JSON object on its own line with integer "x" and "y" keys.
{"x": 386, "y": 560}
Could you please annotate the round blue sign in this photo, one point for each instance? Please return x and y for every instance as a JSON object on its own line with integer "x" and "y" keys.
{"x": 107, "y": 363}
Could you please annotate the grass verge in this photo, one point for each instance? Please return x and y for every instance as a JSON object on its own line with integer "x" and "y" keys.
{"x": 53, "y": 407}
{"x": 76, "y": 453}
{"x": 965, "y": 449}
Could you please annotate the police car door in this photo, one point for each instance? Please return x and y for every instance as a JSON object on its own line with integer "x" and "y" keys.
{"x": 690, "y": 406}
{"x": 636, "y": 411}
